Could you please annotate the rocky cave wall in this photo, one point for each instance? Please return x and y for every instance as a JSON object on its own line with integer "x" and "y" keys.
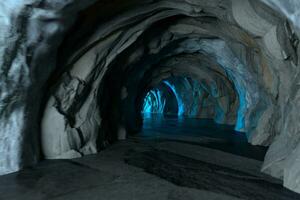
{"x": 198, "y": 97}
{"x": 87, "y": 81}
{"x": 155, "y": 101}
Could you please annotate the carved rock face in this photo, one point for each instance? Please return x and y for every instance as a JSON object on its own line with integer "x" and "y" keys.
{"x": 70, "y": 85}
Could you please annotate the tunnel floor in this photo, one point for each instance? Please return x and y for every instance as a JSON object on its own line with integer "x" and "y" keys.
{"x": 202, "y": 132}
{"x": 172, "y": 159}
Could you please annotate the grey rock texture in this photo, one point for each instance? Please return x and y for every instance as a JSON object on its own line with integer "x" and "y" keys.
{"x": 164, "y": 166}
{"x": 91, "y": 94}
{"x": 31, "y": 31}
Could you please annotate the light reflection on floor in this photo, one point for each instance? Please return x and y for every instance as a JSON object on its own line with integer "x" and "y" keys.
{"x": 172, "y": 158}
{"x": 222, "y": 137}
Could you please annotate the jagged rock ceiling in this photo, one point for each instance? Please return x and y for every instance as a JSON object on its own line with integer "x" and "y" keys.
{"x": 74, "y": 73}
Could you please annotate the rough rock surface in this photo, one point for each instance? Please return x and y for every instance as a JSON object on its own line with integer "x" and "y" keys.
{"x": 31, "y": 31}
{"x": 93, "y": 94}
{"x": 155, "y": 166}
{"x": 202, "y": 96}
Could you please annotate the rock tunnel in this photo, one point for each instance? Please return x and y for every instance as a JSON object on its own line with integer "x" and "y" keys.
{"x": 79, "y": 76}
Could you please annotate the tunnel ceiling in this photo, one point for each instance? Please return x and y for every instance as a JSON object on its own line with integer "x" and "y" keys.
{"x": 74, "y": 74}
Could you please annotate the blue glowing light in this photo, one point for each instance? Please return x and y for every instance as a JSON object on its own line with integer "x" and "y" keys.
{"x": 240, "y": 123}
{"x": 178, "y": 98}
{"x": 147, "y": 107}
{"x": 154, "y": 102}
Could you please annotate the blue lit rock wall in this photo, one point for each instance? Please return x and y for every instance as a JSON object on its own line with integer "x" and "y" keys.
{"x": 154, "y": 102}
{"x": 161, "y": 99}
{"x": 200, "y": 99}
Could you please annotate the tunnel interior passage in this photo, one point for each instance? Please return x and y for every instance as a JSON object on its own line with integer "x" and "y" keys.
{"x": 160, "y": 100}
{"x": 181, "y": 107}
{"x": 192, "y": 98}
{"x": 93, "y": 68}
{"x": 217, "y": 64}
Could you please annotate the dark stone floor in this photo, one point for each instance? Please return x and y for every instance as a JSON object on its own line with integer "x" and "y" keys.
{"x": 172, "y": 159}
{"x": 223, "y": 137}
{"x": 191, "y": 173}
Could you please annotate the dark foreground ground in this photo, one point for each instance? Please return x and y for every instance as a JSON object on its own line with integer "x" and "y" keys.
{"x": 172, "y": 159}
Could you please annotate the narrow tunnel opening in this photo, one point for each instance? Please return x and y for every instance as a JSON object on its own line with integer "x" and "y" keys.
{"x": 181, "y": 109}
{"x": 160, "y": 100}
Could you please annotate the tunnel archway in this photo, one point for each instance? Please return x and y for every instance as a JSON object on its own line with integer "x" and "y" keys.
{"x": 159, "y": 41}
{"x": 245, "y": 53}
{"x": 160, "y": 100}
{"x": 171, "y": 107}
{"x": 192, "y": 98}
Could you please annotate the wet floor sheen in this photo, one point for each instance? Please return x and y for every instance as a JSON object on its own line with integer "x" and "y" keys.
{"x": 171, "y": 159}
{"x": 222, "y": 137}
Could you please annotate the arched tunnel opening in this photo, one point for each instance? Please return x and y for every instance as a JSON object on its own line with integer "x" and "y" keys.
{"x": 156, "y": 99}
{"x": 160, "y": 100}
{"x": 179, "y": 107}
